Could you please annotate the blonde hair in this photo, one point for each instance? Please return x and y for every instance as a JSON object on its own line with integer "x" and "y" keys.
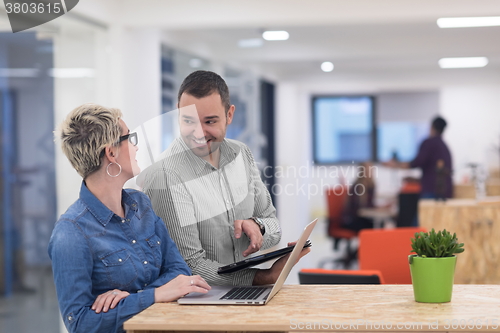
{"x": 85, "y": 133}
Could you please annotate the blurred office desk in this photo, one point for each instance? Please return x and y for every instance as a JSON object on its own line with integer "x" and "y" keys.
{"x": 477, "y": 225}
{"x": 468, "y": 191}
{"x": 334, "y": 308}
{"x": 381, "y": 216}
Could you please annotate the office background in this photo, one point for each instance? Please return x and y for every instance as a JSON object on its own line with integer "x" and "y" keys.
{"x": 134, "y": 54}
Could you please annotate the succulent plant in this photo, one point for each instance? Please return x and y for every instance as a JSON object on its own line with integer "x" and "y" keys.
{"x": 436, "y": 245}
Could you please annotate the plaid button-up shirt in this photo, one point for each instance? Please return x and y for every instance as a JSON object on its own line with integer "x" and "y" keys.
{"x": 199, "y": 204}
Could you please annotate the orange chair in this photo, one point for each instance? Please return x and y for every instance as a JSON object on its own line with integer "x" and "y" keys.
{"x": 410, "y": 185}
{"x": 408, "y": 198}
{"x": 336, "y": 199}
{"x": 387, "y": 250}
{"x": 330, "y": 276}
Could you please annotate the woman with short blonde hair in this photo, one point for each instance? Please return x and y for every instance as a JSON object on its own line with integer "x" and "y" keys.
{"x": 86, "y": 132}
{"x": 112, "y": 256}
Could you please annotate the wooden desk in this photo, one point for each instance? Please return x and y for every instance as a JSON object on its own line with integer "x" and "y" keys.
{"x": 477, "y": 225}
{"x": 356, "y": 308}
{"x": 381, "y": 216}
{"x": 468, "y": 191}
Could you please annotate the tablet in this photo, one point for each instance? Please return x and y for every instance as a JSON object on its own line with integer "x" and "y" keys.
{"x": 257, "y": 259}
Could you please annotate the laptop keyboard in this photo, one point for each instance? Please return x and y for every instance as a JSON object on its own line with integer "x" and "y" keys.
{"x": 244, "y": 293}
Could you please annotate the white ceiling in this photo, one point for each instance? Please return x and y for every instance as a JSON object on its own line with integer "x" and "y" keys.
{"x": 355, "y": 49}
{"x": 385, "y": 43}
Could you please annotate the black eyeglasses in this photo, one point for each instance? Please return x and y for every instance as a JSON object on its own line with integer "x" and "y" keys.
{"x": 132, "y": 138}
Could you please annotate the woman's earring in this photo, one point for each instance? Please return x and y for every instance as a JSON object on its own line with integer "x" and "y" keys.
{"x": 119, "y": 172}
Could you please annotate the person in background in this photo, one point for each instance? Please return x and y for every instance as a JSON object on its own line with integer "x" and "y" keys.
{"x": 112, "y": 256}
{"x": 434, "y": 158}
{"x": 442, "y": 173}
{"x": 360, "y": 195}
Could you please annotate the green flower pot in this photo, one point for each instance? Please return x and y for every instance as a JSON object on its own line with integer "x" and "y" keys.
{"x": 432, "y": 278}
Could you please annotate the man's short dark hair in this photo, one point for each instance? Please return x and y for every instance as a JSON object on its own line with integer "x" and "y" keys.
{"x": 204, "y": 83}
{"x": 439, "y": 124}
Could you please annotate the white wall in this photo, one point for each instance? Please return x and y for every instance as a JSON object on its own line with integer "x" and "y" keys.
{"x": 292, "y": 140}
{"x": 473, "y": 115}
{"x": 71, "y": 50}
{"x": 127, "y": 75}
{"x": 141, "y": 75}
{"x": 407, "y": 106}
{"x": 135, "y": 73}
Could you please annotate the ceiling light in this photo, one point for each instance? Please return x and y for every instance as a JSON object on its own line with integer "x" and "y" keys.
{"x": 467, "y": 22}
{"x": 19, "y": 72}
{"x": 275, "y": 35}
{"x": 71, "y": 73}
{"x": 252, "y": 42}
{"x": 195, "y": 63}
{"x": 469, "y": 62}
{"x": 327, "y": 66}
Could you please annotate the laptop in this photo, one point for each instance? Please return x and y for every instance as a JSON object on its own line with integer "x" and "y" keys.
{"x": 250, "y": 295}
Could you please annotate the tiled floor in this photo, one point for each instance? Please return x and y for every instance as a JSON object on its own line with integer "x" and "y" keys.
{"x": 31, "y": 312}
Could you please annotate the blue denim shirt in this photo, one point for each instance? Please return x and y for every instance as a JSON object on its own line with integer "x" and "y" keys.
{"x": 94, "y": 250}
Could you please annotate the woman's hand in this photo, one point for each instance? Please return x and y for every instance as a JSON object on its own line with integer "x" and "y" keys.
{"x": 180, "y": 286}
{"x": 108, "y": 300}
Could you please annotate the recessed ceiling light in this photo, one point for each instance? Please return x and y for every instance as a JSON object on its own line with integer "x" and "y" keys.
{"x": 19, "y": 72}
{"x": 275, "y": 35}
{"x": 468, "y": 22}
{"x": 464, "y": 62}
{"x": 71, "y": 73}
{"x": 195, "y": 63}
{"x": 252, "y": 42}
{"x": 327, "y": 66}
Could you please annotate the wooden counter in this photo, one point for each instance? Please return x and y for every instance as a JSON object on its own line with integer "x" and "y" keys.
{"x": 477, "y": 225}
{"x": 468, "y": 191}
{"x": 334, "y": 308}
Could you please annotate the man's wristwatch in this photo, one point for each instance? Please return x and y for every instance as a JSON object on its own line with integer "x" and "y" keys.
{"x": 260, "y": 223}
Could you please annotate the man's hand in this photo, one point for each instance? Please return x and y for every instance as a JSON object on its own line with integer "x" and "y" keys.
{"x": 391, "y": 164}
{"x": 252, "y": 230}
{"x": 396, "y": 165}
{"x": 269, "y": 276}
{"x": 108, "y": 300}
